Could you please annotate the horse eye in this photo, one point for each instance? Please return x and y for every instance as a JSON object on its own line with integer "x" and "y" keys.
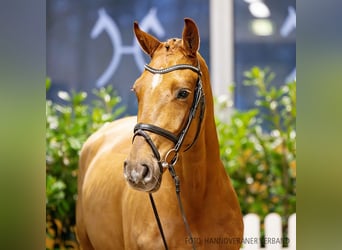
{"x": 182, "y": 94}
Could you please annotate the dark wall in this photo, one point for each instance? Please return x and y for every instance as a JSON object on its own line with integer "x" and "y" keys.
{"x": 276, "y": 50}
{"x": 76, "y": 61}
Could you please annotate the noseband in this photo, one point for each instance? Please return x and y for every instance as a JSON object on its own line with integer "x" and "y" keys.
{"x": 140, "y": 129}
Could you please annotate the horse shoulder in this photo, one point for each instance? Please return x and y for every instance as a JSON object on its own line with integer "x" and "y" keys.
{"x": 101, "y": 181}
{"x": 103, "y": 153}
{"x": 110, "y": 135}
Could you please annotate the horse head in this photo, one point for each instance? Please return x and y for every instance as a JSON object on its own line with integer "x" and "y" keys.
{"x": 169, "y": 94}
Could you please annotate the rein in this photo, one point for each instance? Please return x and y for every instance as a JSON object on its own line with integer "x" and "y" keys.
{"x": 140, "y": 128}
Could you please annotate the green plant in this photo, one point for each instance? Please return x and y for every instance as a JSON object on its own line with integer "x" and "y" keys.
{"x": 258, "y": 148}
{"x": 68, "y": 125}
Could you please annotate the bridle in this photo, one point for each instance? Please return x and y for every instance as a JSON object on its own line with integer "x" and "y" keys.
{"x": 140, "y": 128}
{"x": 171, "y": 156}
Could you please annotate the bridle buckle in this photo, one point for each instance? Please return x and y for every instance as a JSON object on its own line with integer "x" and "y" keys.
{"x": 170, "y": 162}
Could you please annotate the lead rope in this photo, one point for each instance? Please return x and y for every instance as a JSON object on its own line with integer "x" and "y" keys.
{"x": 155, "y": 211}
{"x": 177, "y": 185}
{"x": 170, "y": 166}
{"x": 158, "y": 221}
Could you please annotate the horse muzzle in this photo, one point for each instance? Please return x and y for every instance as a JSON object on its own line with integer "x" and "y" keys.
{"x": 143, "y": 176}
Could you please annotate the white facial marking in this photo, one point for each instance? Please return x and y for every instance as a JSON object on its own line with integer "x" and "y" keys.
{"x": 156, "y": 80}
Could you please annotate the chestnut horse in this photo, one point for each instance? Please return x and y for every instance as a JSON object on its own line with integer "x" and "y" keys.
{"x": 126, "y": 160}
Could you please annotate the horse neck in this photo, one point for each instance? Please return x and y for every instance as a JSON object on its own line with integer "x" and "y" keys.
{"x": 201, "y": 165}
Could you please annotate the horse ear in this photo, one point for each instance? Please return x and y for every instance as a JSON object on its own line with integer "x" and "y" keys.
{"x": 147, "y": 42}
{"x": 190, "y": 37}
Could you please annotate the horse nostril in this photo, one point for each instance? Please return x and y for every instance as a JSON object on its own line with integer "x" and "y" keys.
{"x": 145, "y": 171}
{"x": 125, "y": 169}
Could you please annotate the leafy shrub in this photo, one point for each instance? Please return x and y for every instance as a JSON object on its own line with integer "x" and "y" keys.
{"x": 68, "y": 125}
{"x": 258, "y": 148}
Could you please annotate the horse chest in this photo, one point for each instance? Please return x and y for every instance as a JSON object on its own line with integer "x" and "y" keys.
{"x": 144, "y": 233}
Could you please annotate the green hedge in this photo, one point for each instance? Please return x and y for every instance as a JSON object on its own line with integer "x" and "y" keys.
{"x": 261, "y": 162}
{"x": 258, "y": 148}
{"x": 68, "y": 125}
